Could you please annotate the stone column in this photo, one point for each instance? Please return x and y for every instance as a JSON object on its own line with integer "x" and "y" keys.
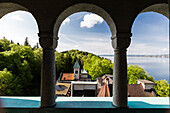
{"x": 48, "y": 73}
{"x": 120, "y": 43}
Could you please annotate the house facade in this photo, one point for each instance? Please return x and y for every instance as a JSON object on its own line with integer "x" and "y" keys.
{"x": 76, "y": 84}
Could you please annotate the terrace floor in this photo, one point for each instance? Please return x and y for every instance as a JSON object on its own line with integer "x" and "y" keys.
{"x": 93, "y": 104}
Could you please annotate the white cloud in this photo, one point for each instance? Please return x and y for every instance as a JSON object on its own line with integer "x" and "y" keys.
{"x": 17, "y": 17}
{"x": 165, "y": 49}
{"x": 67, "y": 20}
{"x": 76, "y": 46}
{"x": 90, "y": 20}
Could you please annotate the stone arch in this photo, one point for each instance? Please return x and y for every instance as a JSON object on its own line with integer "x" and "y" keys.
{"x": 84, "y": 7}
{"x": 6, "y": 8}
{"x": 161, "y": 8}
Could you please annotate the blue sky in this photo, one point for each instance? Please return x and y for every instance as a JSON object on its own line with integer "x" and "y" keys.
{"x": 89, "y": 32}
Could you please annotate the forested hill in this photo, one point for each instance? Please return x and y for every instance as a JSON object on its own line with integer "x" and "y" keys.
{"x": 20, "y": 68}
{"x": 95, "y": 65}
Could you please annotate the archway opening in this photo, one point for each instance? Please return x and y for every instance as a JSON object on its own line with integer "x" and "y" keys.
{"x": 20, "y": 65}
{"x": 150, "y": 48}
{"x": 90, "y": 32}
{"x": 83, "y": 37}
{"x": 85, "y": 31}
{"x": 18, "y": 25}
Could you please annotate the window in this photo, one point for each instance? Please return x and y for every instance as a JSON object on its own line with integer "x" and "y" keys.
{"x": 76, "y": 72}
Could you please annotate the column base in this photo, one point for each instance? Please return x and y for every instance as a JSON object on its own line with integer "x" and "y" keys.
{"x": 52, "y": 106}
{"x": 114, "y": 106}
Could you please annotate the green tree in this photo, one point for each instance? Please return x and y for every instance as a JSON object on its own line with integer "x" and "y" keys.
{"x": 26, "y": 43}
{"x": 4, "y": 45}
{"x": 162, "y": 88}
{"x": 12, "y": 42}
{"x": 5, "y": 81}
{"x": 21, "y": 67}
{"x": 37, "y": 62}
{"x": 97, "y": 66}
{"x": 135, "y": 72}
{"x": 36, "y": 46}
{"x": 25, "y": 66}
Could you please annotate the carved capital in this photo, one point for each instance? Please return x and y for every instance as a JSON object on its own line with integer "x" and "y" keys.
{"x": 47, "y": 41}
{"x": 121, "y": 40}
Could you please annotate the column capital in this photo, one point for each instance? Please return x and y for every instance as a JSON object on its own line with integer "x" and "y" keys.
{"x": 45, "y": 34}
{"x": 47, "y": 40}
{"x": 121, "y": 40}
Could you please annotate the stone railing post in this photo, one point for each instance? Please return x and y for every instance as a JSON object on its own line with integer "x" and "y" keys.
{"x": 48, "y": 73}
{"x": 120, "y": 84}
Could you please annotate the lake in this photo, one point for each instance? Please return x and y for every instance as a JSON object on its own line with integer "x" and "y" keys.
{"x": 155, "y": 66}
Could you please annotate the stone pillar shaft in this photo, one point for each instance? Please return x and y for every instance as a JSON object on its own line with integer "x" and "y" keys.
{"x": 48, "y": 79}
{"x": 120, "y": 83}
{"x": 120, "y": 78}
{"x": 48, "y": 73}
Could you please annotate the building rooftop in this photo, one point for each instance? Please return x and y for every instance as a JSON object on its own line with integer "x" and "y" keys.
{"x": 145, "y": 81}
{"x": 136, "y": 90}
{"x": 67, "y": 76}
{"x": 107, "y": 75}
{"x": 76, "y": 65}
{"x": 89, "y": 76}
{"x": 84, "y": 72}
{"x": 104, "y": 91}
{"x": 62, "y": 89}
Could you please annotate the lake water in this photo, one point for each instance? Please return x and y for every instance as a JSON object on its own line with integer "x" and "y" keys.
{"x": 156, "y": 67}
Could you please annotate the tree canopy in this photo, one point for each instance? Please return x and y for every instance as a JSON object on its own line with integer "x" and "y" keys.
{"x": 135, "y": 72}
{"x": 4, "y": 45}
{"x": 20, "y": 68}
{"x": 26, "y": 43}
{"x": 162, "y": 88}
{"x": 95, "y": 65}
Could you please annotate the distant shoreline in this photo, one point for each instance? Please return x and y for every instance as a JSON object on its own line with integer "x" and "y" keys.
{"x": 159, "y": 56}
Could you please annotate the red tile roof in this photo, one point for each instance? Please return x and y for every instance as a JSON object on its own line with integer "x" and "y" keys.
{"x": 104, "y": 91}
{"x": 67, "y": 76}
{"x": 136, "y": 90}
